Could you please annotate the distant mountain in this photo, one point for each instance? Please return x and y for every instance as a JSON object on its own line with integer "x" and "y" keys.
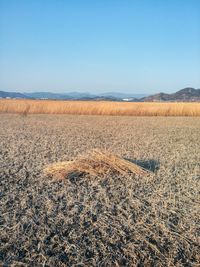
{"x": 4, "y": 94}
{"x": 48, "y": 95}
{"x": 185, "y": 95}
{"x": 77, "y": 95}
{"x": 188, "y": 94}
{"x": 123, "y": 95}
{"x": 69, "y": 96}
{"x": 44, "y": 95}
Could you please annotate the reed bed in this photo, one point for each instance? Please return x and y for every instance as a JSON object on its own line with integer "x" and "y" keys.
{"x": 26, "y": 107}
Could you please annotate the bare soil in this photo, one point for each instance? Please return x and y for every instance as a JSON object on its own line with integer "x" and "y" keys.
{"x": 99, "y": 221}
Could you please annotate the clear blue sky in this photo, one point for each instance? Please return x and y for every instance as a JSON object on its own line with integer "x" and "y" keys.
{"x": 138, "y": 46}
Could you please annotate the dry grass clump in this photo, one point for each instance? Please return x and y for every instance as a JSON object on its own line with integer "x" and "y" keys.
{"x": 95, "y": 163}
{"x": 25, "y": 107}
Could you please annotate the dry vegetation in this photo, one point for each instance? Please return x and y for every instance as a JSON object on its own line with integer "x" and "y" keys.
{"x": 116, "y": 218}
{"x": 99, "y": 108}
{"x": 95, "y": 163}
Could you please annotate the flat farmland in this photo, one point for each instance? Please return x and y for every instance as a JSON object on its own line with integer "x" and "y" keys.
{"x": 99, "y": 221}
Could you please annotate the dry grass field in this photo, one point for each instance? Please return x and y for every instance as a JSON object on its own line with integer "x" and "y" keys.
{"x": 98, "y": 108}
{"x": 112, "y": 219}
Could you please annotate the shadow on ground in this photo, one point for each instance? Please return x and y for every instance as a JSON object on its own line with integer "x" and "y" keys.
{"x": 150, "y": 164}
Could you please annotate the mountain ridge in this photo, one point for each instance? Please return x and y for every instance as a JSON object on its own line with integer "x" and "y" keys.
{"x": 187, "y": 94}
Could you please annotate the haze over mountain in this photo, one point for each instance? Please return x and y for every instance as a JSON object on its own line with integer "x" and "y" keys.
{"x": 187, "y": 94}
{"x": 4, "y": 94}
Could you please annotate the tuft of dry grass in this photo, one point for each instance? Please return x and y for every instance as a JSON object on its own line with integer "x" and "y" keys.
{"x": 98, "y": 108}
{"x": 95, "y": 163}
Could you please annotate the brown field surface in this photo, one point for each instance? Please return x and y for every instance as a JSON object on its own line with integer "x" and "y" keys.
{"x": 99, "y": 108}
{"x": 115, "y": 219}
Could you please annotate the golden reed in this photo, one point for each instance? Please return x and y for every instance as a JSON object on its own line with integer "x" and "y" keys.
{"x": 98, "y": 108}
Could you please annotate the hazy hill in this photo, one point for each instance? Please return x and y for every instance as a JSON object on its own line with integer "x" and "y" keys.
{"x": 186, "y": 94}
{"x": 113, "y": 96}
{"x": 70, "y": 95}
{"x": 4, "y": 94}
